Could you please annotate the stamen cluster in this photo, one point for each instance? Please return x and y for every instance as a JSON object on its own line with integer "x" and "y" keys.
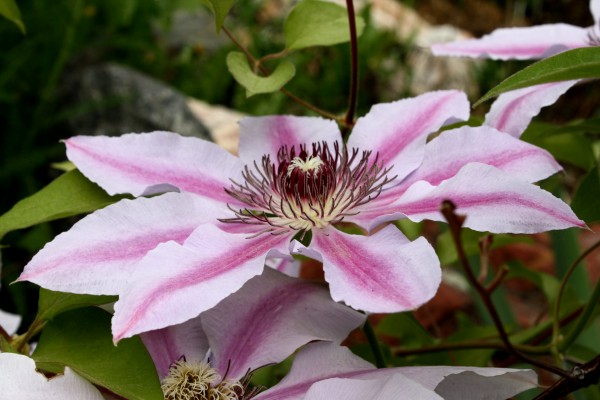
{"x": 306, "y": 190}
{"x": 199, "y": 381}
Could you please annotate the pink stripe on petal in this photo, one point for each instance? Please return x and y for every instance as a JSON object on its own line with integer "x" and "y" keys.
{"x": 492, "y": 200}
{"x": 261, "y": 136}
{"x": 269, "y": 318}
{"x": 99, "y": 252}
{"x": 378, "y": 273}
{"x": 518, "y": 43}
{"x": 512, "y": 111}
{"x": 150, "y": 163}
{"x": 175, "y": 283}
{"x": 450, "y": 151}
{"x": 397, "y": 131}
{"x": 170, "y": 344}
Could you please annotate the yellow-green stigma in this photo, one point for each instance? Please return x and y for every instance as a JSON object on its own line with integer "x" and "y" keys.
{"x": 198, "y": 381}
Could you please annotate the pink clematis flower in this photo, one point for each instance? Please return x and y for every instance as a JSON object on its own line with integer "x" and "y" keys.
{"x": 526, "y": 43}
{"x": 267, "y": 320}
{"x": 263, "y": 323}
{"x": 173, "y": 256}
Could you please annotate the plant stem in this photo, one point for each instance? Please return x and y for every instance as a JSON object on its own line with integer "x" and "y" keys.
{"x": 374, "y": 344}
{"x": 455, "y": 222}
{"x": 588, "y": 309}
{"x": 286, "y": 92}
{"x": 353, "y": 95}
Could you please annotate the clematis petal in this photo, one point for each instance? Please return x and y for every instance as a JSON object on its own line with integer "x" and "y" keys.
{"x": 492, "y": 200}
{"x": 378, "y": 273}
{"x": 450, "y": 151}
{"x": 269, "y": 318}
{"x": 175, "y": 283}
{"x": 97, "y": 255}
{"x": 170, "y": 344}
{"x": 317, "y": 363}
{"x": 390, "y": 387}
{"x": 143, "y": 164}
{"x": 261, "y": 136}
{"x": 518, "y": 43}
{"x": 398, "y": 130}
{"x": 9, "y": 322}
{"x": 595, "y": 9}
{"x": 19, "y": 380}
{"x": 512, "y": 111}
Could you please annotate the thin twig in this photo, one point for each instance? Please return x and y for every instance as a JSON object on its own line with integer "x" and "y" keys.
{"x": 581, "y": 377}
{"x": 353, "y": 95}
{"x": 563, "y": 285}
{"x": 455, "y": 222}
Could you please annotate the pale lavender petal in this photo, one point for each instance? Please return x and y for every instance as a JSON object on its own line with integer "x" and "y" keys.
{"x": 143, "y": 164}
{"x": 20, "y": 381}
{"x": 9, "y": 322}
{"x": 322, "y": 361}
{"x": 391, "y": 387}
{"x": 261, "y": 136}
{"x": 97, "y": 255}
{"x": 315, "y": 362}
{"x": 595, "y": 9}
{"x": 492, "y": 201}
{"x": 175, "y": 283}
{"x": 170, "y": 344}
{"x": 269, "y": 318}
{"x": 452, "y": 150}
{"x": 288, "y": 266}
{"x": 398, "y": 131}
{"x": 378, "y": 273}
{"x": 518, "y": 43}
{"x": 512, "y": 111}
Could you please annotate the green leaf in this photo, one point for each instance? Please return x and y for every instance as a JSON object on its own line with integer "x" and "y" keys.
{"x": 573, "y": 147}
{"x": 318, "y": 23}
{"x": 220, "y": 9}
{"x": 585, "y": 202}
{"x": 10, "y": 11}
{"x": 70, "y": 194}
{"x": 237, "y": 63}
{"x": 53, "y": 303}
{"x": 81, "y": 340}
{"x": 582, "y": 63}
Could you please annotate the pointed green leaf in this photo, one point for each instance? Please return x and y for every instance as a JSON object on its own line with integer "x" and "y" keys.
{"x": 318, "y": 23}
{"x": 53, "y": 303}
{"x": 220, "y": 9}
{"x": 582, "y": 63}
{"x": 70, "y": 194}
{"x": 81, "y": 340}
{"x": 585, "y": 202}
{"x": 10, "y": 11}
{"x": 237, "y": 63}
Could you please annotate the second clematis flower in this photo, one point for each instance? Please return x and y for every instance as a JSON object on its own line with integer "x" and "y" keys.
{"x": 533, "y": 42}
{"x": 173, "y": 256}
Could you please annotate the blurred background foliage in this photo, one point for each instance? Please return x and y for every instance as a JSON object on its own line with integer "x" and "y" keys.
{"x": 65, "y": 36}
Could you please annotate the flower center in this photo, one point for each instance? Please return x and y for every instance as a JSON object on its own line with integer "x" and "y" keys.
{"x": 307, "y": 189}
{"x": 198, "y": 381}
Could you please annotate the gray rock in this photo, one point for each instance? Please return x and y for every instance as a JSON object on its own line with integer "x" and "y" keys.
{"x": 111, "y": 100}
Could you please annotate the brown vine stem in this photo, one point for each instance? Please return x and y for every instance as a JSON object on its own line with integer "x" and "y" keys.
{"x": 353, "y": 95}
{"x": 286, "y": 92}
{"x": 581, "y": 377}
{"x": 455, "y": 223}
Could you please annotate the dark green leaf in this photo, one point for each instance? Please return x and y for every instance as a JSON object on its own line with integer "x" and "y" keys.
{"x": 568, "y": 145}
{"x": 220, "y": 9}
{"x": 237, "y": 64}
{"x": 585, "y": 202}
{"x": 10, "y": 11}
{"x": 68, "y": 195}
{"x": 582, "y": 63}
{"x": 52, "y": 303}
{"x": 318, "y": 23}
{"x": 81, "y": 340}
